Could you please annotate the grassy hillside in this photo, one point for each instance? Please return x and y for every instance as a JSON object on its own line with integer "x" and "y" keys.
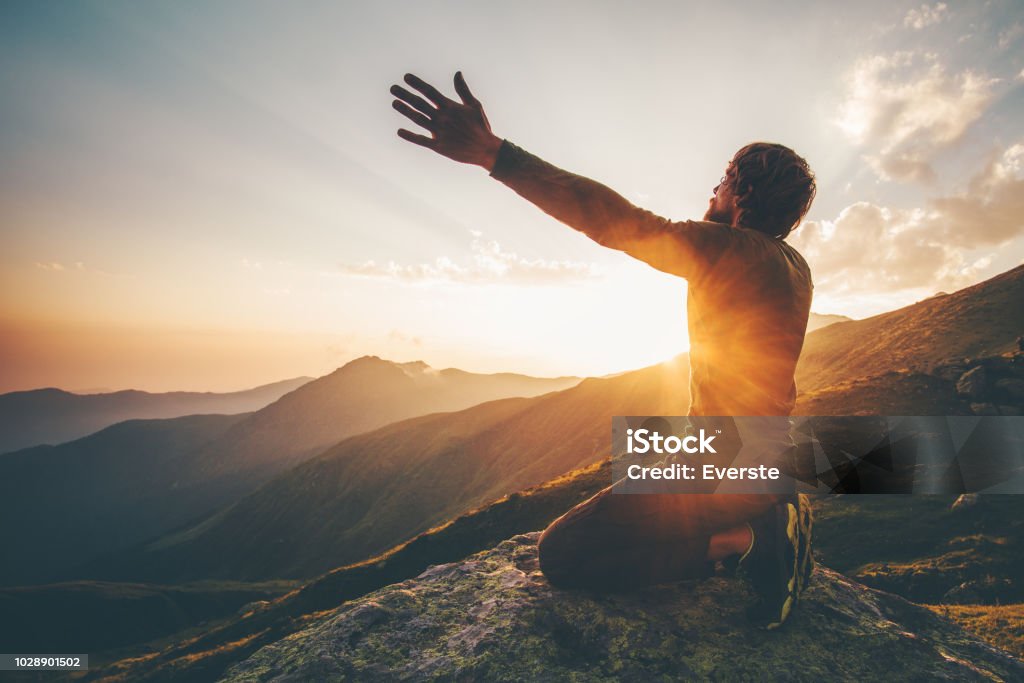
{"x": 93, "y": 616}
{"x": 1000, "y": 625}
{"x": 60, "y": 505}
{"x": 983, "y": 320}
{"x": 375, "y": 490}
{"x": 888, "y": 393}
{"x": 817, "y": 320}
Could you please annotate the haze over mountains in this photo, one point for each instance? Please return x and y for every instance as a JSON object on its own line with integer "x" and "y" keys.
{"x": 141, "y": 479}
{"x": 53, "y": 416}
{"x": 378, "y": 489}
{"x": 319, "y": 497}
{"x": 816, "y": 321}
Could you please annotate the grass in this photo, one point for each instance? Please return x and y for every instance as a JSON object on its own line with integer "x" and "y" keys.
{"x": 998, "y": 625}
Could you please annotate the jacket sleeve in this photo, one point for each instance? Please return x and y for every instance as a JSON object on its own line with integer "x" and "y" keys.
{"x": 679, "y": 248}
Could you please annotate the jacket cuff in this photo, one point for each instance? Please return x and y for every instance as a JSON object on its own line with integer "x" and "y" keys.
{"x": 510, "y": 158}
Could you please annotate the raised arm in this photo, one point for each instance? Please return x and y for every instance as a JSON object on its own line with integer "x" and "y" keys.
{"x": 460, "y": 131}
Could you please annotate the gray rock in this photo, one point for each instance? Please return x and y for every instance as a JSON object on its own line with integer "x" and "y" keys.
{"x": 950, "y": 371}
{"x": 252, "y": 607}
{"x": 984, "y": 409}
{"x": 973, "y": 383}
{"x": 500, "y": 620}
{"x": 964, "y": 501}
{"x": 978, "y": 592}
{"x": 1012, "y": 387}
{"x": 964, "y": 594}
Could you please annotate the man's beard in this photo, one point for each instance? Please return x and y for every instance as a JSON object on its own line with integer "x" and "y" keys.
{"x": 713, "y": 216}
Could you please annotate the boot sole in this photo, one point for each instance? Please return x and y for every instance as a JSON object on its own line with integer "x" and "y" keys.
{"x": 805, "y": 560}
{"x": 792, "y": 571}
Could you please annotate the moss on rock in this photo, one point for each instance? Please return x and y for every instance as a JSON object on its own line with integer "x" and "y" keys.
{"x": 494, "y": 617}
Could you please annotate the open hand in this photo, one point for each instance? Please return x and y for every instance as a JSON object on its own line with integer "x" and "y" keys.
{"x": 459, "y": 130}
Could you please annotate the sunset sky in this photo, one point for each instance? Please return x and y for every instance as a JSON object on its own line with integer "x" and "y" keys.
{"x": 210, "y": 196}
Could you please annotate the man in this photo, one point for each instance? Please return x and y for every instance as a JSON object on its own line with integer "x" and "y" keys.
{"x": 748, "y": 302}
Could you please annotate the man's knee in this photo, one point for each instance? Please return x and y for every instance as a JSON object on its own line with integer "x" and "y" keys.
{"x": 556, "y": 563}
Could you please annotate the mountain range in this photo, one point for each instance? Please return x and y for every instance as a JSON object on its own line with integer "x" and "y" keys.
{"x": 66, "y": 505}
{"x": 52, "y": 416}
{"x": 986, "y": 319}
{"x": 373, "y": 491}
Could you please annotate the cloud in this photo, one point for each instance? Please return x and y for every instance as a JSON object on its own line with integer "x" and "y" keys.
{"x": 1009, "y": 35}
{"x": 870, "y": 248}
{"x": 400, "y": 337}
{"x": 489, "y": 263}
{"x": 926, "y": 15}
{"x": 77, "y": 266}
{"x": 905, "y": 108}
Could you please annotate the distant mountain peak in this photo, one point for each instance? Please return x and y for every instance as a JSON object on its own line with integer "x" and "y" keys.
{"x": 416, "y": 366}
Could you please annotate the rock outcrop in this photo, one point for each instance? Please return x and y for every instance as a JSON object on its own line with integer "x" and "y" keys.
{"x": 992, "y": 385}
{"x": 494, "y": 617}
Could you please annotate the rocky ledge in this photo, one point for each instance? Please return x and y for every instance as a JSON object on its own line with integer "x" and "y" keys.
{"x": 494, "y": 617}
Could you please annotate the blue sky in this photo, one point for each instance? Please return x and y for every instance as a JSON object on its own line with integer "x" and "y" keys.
{"x": 230, "y": 170}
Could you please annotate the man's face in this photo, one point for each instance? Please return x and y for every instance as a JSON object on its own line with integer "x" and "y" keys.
{"x": 722, "y": 205}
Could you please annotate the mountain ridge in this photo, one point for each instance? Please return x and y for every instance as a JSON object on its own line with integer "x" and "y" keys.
{"x": 189, "y": 480}
{"x": 49, "y": 416}
{"x": 333, "y": 504}
{"x": 969, "y": 323}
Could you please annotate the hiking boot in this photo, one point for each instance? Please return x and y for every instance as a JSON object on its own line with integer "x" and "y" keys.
{"x": 805, "y": 556}
{"x": 772, "y": 563}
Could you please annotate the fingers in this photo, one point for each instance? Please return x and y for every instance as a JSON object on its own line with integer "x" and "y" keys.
{"x": 432, "y": 93}
{"x": 412, "y": 115}
{"x": 415, "y": 100}
{"x": 421, "y": 140}
{"x": 463, "y": 90}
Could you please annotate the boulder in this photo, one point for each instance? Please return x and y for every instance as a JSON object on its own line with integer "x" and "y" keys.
{"x": 973, "y": 383}
{"x": 950, "y": 371}
{"x": 964, "y": 501}
{"x": 1012, "y": 388}
{"x": 494, "y": 617}
{"x": 984, "y": 409}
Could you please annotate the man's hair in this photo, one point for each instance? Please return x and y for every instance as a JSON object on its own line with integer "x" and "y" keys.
{"x": 774, "y": 187}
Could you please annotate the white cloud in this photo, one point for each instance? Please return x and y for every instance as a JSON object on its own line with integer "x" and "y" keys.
{"x": 489, "y": 263}
{"x": 877, "y": 249}
{"x": 926, "y": 15}
{"x": 57, "y": 266}
{"x": 1009, "y": 35}
{"x": 76, "y": 266}
{"x": 905, "y": 108}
